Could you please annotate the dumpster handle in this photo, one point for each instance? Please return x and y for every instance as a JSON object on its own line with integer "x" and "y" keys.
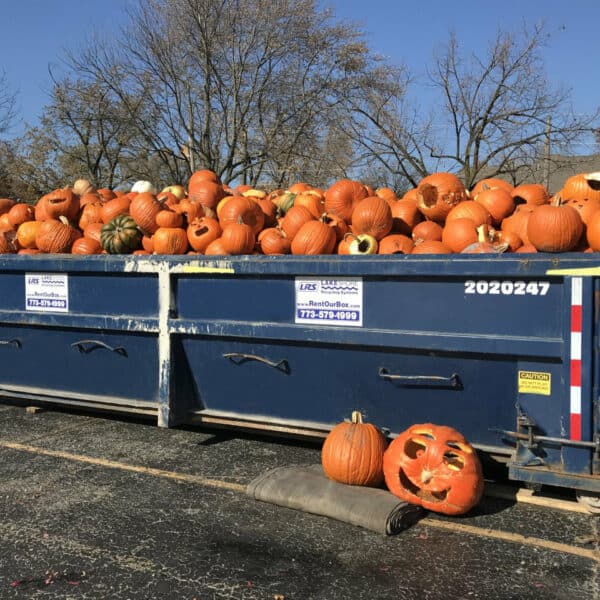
{"x": 14, "y": 341}
{"x": 452, "y": 381}
{"x": 93, "y": 344}
{"x": 240, "y": 357}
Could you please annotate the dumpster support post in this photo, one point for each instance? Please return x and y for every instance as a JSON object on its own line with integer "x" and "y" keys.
{"x": 165, "y": 306}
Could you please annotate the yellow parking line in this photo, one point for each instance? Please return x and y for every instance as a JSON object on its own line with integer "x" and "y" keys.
{"x": 505, "y": 536}
{"x": 515, "y": 538}
{"x": 112, "y": 464}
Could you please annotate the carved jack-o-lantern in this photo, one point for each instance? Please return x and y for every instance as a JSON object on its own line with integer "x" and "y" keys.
{"x": 435, "y": 467}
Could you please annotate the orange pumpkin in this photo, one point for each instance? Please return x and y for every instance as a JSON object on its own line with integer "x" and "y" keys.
{"x": 216, "y": 248}
{"x": 170, "y": 240}
{"x": 62, "y": 203}
{"x": 387, "y": 194}
{"x": 269, "y": 210}
{"x": 342, "y": 196}
{"x": 168, "y": 218}
{"x": 143, "y": 210}
{"x": 19, "y": 213}
{"x": 530, "y": 193}
{"x": 240, "y": 209}
{"x": 203, "y": 175}
{"x": 554, "y": 227}
{"x": 395, "y": 243}
{"x": 373, "y": 216}
{"x": 427, "y": 230}
{"x": 592, "y": 232}
{"x": 469, "y": 209}
{"x": 314, "y": 201}
{"x": 581, "y": 186}
{"x": 54, "y": 236}
{"x": 405, "y": 215}
{"x": 314, "y": 237}
{"x": 26, "y": 233}
{"x": 202, "y": 231}
{"x": 490, "y": 183}
{"x": 294, "y": 218}
{"x": 91, "y": 213}
{"x": 517, "y": 222}
{"x": 93, "y": 230}
{"x": 498, "y": 202}
{"x": 273, "y": 241}
{"x": 434, "y": 466}
{"x": 238, "y": 238}
{"x": 205, "y": 192}
{"x": 431, "y": 247}
{"x": 459, "y": 233}
{"x": 353, "y": 453}
{"x": 86, "y": 245}
{"x": 190, "y": 210}
{"x": 339, "y": 226}
{"x": 438, "y": 193}
{"x": 116, "y": 207}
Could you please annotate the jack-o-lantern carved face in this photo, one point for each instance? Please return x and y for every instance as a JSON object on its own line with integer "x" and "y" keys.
{"x": 435, "y": 467}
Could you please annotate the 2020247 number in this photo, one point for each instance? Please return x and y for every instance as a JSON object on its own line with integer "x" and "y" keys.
{"x": 507, "y": 288}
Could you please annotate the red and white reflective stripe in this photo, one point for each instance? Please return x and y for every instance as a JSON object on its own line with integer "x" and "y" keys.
{"x": 575, "y": 392}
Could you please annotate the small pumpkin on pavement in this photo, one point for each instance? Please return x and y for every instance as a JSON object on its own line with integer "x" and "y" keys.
{"x": 353, "y": 453}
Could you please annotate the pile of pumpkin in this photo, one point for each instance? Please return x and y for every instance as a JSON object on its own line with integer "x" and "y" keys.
{"x": 439, "y": 216}
{"x": 428, "y": 465}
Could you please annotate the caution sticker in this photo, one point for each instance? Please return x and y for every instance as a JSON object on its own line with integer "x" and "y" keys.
{"x": 535, "y": 382}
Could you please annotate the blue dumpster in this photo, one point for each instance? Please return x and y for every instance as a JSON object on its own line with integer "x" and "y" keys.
{"x": 503, "y": 348}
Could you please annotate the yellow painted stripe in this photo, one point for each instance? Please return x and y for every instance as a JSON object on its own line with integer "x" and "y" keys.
{"x": 505, "y": 536}
{"x": 112, "y": 464}
{"x": 590, "y": 271}
{"x": 202, "y": 269}
{"x": 515, "y": 538}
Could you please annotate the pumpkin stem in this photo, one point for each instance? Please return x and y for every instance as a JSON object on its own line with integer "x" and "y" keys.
{"x": 357, "y": 417}
{"x": 481, "y": 234}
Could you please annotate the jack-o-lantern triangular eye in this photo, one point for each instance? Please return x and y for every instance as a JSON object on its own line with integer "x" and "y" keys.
{"x": 414, "y": 448}
{"x": 454, "y": 461}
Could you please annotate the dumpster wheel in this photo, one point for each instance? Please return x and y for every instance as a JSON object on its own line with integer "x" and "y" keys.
{"x": 590, "y": 500}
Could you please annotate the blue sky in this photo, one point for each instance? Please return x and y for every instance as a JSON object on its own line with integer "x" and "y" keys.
{"x": 35, "y": 33}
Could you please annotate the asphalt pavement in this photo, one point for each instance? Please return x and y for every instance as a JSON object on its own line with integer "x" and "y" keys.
{"x": 109, "y": 507}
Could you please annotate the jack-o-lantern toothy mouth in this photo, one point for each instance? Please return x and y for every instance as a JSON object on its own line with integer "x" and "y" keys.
{"x": 407, "y": 484}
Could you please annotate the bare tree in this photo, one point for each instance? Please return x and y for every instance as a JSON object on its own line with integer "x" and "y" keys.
{"x": 386, "y": 131}
{"x": 501, "y": 113}
{"x": 248, "y": 88}
{"x": 496, "y": 115}
{"x": 8, "y": 99}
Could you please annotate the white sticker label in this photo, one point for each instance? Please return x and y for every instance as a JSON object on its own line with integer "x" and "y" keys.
{"x": 46, "y": 292}
{"x": 329, "y": 301}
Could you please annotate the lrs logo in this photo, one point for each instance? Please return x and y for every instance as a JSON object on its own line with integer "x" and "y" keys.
{"x": 309, "y": 286}
{"x": 33, "y": 280}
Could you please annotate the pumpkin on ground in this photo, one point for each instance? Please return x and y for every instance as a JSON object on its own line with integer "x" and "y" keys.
{"x": 353, "y": 453}
{"x": 435, "y": 467}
